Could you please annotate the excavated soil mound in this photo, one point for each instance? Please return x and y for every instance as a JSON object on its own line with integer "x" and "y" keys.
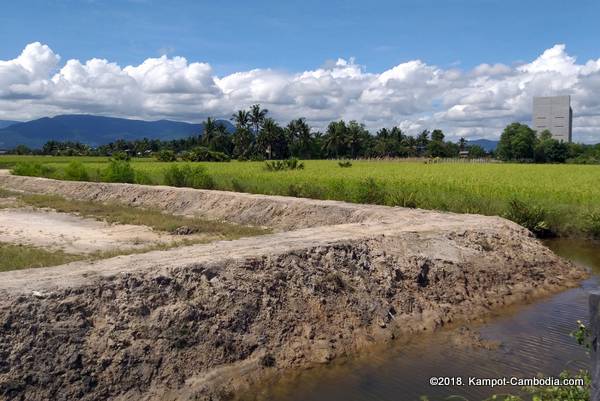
{"x": 203, "y": 322}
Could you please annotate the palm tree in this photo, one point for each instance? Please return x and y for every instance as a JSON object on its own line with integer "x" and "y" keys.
{"x": 335, "y": 139}
{"x": 257, "y": 117}
{"x": 241, "y": 118}
{"x": 210, "y": 132}
{"x": 271, "y": 139}
{"x": 299, "y": 137}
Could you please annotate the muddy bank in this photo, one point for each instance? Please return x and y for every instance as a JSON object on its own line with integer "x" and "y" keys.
{"x": 203, "y": 322}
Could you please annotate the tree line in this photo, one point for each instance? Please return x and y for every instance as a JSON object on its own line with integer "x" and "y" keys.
{"x": 521, "y": 143}
{"x": 258, "y": 137}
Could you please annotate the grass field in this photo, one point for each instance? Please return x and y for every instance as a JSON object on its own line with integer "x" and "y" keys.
{"x": 565, "y": 197}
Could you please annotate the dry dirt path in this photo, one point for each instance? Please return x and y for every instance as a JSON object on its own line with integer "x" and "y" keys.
{"x": 73, "y": 234}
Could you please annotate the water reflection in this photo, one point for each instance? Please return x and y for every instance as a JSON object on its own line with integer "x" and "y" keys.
{"x": 533, "y": 339}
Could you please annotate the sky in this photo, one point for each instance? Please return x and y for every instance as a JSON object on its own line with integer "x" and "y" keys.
{"x": 466, "y": 66}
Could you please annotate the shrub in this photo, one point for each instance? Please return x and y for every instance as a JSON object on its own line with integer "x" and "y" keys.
{"x": 118, "y": 171}
{"x": 143, "y": 178}
{"x": 238, "y": 186}
{"x": 370, "y": 191}
{"x": 188, "y": 176}
{"x": 203, "y": 154}
{"x": 76, "y": 171}
{"x": 402, "y": 199}
{"x": 124, "y": 156}
{"x": 166, "y": 155}
{"x": 592, "y": 224}
{"x": 345, "y": 163}
{"x": 281, "y": 165}
{"x": 32, "y": 169}
{"x": 257, "y": 158}
{"x": 532, "y": 218}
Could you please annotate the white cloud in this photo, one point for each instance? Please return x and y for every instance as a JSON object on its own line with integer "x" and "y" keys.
{"x": 414, "y": 95}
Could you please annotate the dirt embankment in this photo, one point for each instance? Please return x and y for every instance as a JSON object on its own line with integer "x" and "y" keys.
{"x": 203, "y": 322}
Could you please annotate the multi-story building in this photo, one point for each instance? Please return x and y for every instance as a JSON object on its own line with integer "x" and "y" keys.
{"x": 554, "y": 114}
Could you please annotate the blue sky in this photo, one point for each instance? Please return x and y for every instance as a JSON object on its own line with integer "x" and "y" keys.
{"x": 295, "y": 36}
{"x": 467, "y": 67}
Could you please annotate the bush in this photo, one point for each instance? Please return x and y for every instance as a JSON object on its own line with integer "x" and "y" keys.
{"x": 124, "y": 156}
{"x": 166, "y": 155}
{"x": 76, "y": 171}
{"x": 143, "y": 178}
{"x": 345, "y": 163}
{"x": 188, "y": 176}
{"x": 32, "y": 169}
{"x": 203, "y": 154}
{"x": 370, "y": 191}
{"x": 281, "y": 165}
{"x": 119, "y": 171}
{"x": 238, "y": 186}
{"x": 593, "y": 224}
{"x": 532, "y": 218}
{"x": 402, "y": 199}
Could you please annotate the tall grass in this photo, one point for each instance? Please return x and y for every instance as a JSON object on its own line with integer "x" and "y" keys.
{"x": 568, "y": 194}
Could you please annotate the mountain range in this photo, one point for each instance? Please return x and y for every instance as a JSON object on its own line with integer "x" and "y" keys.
{"x": 487, "y": 144}
{"x": 93, "y": 130}
{"x": 98, "y": 130}
{"x": 7, "y": 123}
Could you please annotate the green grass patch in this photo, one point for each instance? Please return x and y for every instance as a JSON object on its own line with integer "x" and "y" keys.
{"x": 13, "y": 257}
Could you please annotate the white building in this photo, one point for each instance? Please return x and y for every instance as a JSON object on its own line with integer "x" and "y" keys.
{"x": 554, "y": 114}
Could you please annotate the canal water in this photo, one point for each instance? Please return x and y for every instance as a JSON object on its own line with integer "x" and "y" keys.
{"x": 524, "y": 342}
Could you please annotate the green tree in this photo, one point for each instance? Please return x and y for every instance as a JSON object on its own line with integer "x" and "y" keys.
{"x": 476, "y": 151}
{"x": 272, "y": 141}
{"x": 517, "y": 142}
{"x": 335, "y": 139}
{"x": 257, "y": 117}
{"x": 300, "y": 139}
{"x": 357, "y": 139}
{"x": 243, "y": 143}
{"x": 241, "y": 119}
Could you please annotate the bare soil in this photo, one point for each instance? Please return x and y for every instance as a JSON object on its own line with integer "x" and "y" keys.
{"x": 73, "y": 234}
{"x": 206, "y": 321}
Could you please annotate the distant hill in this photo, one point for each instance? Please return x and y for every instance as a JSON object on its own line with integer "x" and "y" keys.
{"x": 6, "y": 123}
{"x": 95, "y": 130}
{"x": 487, "y": 144}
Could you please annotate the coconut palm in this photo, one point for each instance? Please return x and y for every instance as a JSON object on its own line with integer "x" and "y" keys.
{"x": 210, "y": 131}
{"x": 335, "y": 140}
{"x": 257, "y": 117}
{"x": 241, "y": 118}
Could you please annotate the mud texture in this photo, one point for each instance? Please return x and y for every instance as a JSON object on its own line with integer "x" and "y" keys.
{"x": 204, "y": 322}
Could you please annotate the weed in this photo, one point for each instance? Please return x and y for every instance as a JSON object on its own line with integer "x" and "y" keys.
{"x": 370, "y": 191}
{"x": 119, "y": 170}
{"x": 281, "y": 165}
{"x": 76, "y": 171}
{"x": 32, "y": 169}
{"x": 188, "y": 176}
{"x": 166, "y": 155}
{"x": 592, "y": 224}
{"x": 345, "y": 163}
{"x": 532, "y": 218}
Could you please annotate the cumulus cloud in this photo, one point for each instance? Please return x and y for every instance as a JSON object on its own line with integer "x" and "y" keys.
{"x": 414, "y": 95}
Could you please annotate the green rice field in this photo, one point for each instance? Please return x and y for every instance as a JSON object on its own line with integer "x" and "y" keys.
{"x": 565, "y": 197}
